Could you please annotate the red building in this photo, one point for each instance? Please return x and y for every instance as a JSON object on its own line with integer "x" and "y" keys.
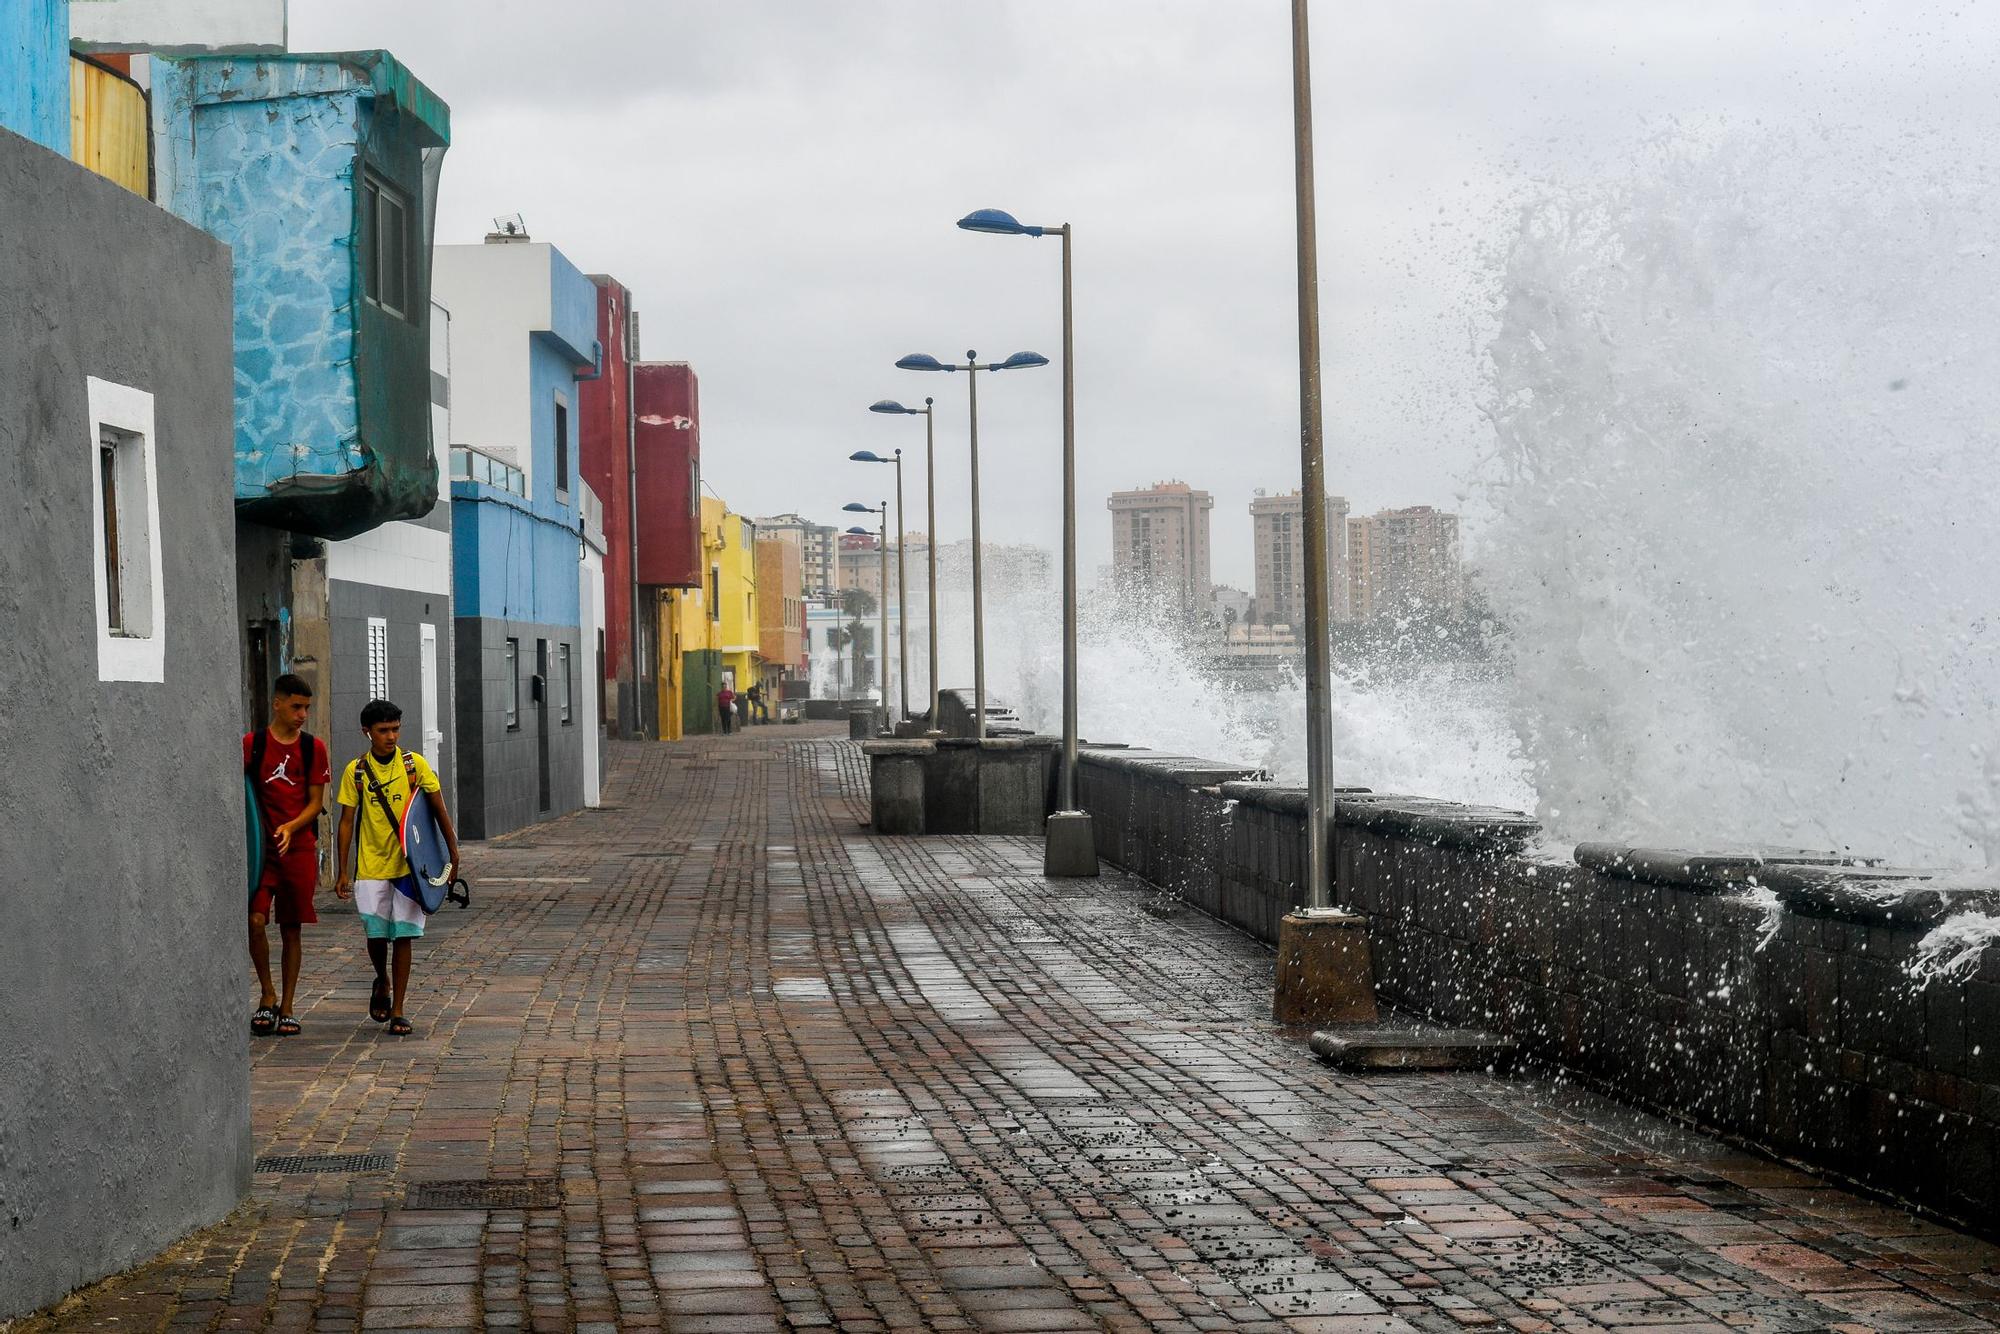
{"x": 639, "y": 441}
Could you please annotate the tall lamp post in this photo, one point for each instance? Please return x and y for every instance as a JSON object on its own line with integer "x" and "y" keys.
{"x": 902, "y": 582}
{"x": 1071, "y": 846}
{"x": 1324, "y": 974}
{"x": 920, "y": 361}
{"x": 881, "y": 603}
{"x": 930, "y": 542}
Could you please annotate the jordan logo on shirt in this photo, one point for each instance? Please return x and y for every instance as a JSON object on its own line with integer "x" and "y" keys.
{"x": 281, "y": 774}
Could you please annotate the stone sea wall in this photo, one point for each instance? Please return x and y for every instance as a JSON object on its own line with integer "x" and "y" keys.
{"x": 1768, "y": 996}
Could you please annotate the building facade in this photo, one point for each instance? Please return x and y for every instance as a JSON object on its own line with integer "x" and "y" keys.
{"x": 1279, "y": 542}
{"x": 525, "y": 332}
{"x": 1160, "y": 545}
{"x": 668, "y": 555}
{"x": 118, "y": 610}
{"x": 1405, "y": 561}
{"x": 714, "y": 627}
{"x": 780, "y": 617}
{"x": 606, "y": 445}
{"x": 819, "y": 551}
{"x": 389, "y": 611}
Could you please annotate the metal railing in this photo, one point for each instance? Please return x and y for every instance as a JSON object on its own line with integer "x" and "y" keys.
{"x": 474, "y": 465}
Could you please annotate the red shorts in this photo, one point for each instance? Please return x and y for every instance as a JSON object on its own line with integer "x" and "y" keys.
{"x": 288, "y": 883}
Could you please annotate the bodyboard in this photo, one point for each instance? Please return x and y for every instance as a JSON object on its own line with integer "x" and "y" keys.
{"x": 424, "y": 846}
{"x": 253, "y": 833}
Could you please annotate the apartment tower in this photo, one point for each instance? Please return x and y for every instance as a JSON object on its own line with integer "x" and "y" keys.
{"x": 1159, "y": 542}
{"x": 1279, "y": 538}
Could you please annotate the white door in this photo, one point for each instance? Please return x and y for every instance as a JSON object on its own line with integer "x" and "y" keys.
{"x": 427, "y": 665}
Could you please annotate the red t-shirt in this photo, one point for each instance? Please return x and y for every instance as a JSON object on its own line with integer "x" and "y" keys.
{"x": 283, "y": 789}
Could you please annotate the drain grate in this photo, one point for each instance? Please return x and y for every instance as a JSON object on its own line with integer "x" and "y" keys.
{"x": 486, "y": 1193}
{"x": 300, "y": 1163}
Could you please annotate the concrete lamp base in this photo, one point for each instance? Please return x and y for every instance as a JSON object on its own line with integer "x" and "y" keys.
{"x": 1325, "y": 972}
{"x": 1072, "y": 845}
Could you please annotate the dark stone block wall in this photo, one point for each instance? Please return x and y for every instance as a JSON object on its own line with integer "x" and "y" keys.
{"x": 1791, "y": 1023}
{"x": 124, "y": 1057}
{"x": 498, "y": 779}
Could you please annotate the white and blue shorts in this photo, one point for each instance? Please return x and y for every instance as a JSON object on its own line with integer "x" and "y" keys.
{"x": 387, "y": 913}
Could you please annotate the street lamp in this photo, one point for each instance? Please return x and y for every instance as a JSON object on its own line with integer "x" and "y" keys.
{"x": 920, "y": 361}
{"x": 902, "y": 582}
{"x": 881, "y": 603}
{"x": 1070, "y": 847}
{"x": 890, "y": 405}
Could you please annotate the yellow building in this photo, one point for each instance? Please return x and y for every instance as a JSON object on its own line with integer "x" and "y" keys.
{"x": 710, "y": 635}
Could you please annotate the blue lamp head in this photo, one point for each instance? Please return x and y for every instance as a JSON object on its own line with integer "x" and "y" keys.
{"x": 856, "y": 507}
{"x": 996, "y": 222}
{"x": 922, "y": 361}
{"x": 867, "y": 456}
{"x": 1022, "y": 361}
{"x": 860, "y": 532}
{"x": 889, "y": 405}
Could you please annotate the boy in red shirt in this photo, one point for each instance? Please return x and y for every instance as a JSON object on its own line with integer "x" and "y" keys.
{"x": 289, "y": 771}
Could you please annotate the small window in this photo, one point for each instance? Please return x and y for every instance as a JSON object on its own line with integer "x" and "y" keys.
{"x": 129, "y": 590}
{"x": 378, "y": 658}
{"x": 512, "y": 666}
{"x": 385, "y": 246}
{"x": 565, "y": 691}
{"x": 562, "y": 450}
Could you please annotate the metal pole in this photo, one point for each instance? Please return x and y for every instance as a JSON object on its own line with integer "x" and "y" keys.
{"x": 882, "y": 610}
{"x": 1312, "y": 477}
{"x": 1067, "y": 795}
{"x": 978, "y": 588}
{"x": 930, "y": 544}
{"x": 902, "y": 598}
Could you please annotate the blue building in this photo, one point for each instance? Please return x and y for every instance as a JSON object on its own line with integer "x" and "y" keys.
{"x": 524, "y": 323}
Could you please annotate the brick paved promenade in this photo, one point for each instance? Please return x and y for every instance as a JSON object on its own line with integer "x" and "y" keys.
{"x": 787, "y": 1075}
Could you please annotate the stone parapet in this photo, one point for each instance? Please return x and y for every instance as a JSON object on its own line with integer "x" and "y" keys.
{"x": 1765, "y": 994}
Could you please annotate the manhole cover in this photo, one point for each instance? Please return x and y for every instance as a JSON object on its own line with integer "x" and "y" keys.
{"x": 293, "y": 1164}
{"x": 486, "y": 1193}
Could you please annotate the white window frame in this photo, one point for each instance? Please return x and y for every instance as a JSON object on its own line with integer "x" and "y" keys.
{"x": 378, "y": 657}
{"x": 132, "y": 655}
{"x": 563, "y": 672}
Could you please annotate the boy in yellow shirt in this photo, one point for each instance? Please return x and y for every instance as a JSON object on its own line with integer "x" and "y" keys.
{"x": 379, "y": 786}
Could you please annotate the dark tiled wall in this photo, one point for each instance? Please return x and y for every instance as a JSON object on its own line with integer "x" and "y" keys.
{"x": 350, "y": 607}
{"x": 497, "y": 768}
{"x": 1795, "y": 1028}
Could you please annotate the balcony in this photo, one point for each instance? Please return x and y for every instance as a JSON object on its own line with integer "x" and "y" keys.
{"x": 475, "y": 465}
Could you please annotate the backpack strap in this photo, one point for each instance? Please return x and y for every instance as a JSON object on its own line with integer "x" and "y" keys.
{"x": 255, "y": 763}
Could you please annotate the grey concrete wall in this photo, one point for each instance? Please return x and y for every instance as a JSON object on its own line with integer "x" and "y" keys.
{"x": 406, "y": 612}
{"x": 1648, "y": 973}
{"x": 124, "y": 1058}
{"x": 498, "y": 784}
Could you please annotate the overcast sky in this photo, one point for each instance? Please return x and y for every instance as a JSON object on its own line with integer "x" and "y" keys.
{"x": 777, "y": 183}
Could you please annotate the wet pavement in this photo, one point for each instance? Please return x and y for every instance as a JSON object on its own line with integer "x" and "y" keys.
{"x": 731, "y": 1063}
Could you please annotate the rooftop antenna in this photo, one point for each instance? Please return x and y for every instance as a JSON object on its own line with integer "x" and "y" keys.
{"x": 508, "y": 228}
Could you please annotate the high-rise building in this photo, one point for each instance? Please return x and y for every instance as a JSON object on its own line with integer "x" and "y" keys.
{"x": 1405, "y": 560}
{"x": 819, "y": 557}
{"x": 1279, "y": 538}
{"x": 1159, "y": 542}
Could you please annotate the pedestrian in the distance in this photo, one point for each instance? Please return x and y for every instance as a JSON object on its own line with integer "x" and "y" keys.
{"x": 288, "y": 769}
{"x": 725, "y": 708}
{"x": 379, "y": 785}
{"x": 753, "y": 700}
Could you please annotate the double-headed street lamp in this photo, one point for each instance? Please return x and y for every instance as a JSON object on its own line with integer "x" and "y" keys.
{"x": 889, "y": 405}
{"x": 902, "y": 581}
{"x": 881, "y": 603}
{"x": 920, "y": 361}
{"x": 1070, "y": 848}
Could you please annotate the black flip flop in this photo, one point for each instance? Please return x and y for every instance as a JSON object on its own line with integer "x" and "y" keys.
{"x": 288, "y": 1027}
{"x": 400, "y": 1027}
{"x": 378, "y": 1001}
{"x": 262, "y": 1020}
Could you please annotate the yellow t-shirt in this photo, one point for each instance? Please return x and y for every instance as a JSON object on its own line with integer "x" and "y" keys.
{"x": 381, "y": 841}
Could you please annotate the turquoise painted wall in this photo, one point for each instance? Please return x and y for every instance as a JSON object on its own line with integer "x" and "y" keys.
{"x": 332, "y": 393}
{"x": 34, "y": 71}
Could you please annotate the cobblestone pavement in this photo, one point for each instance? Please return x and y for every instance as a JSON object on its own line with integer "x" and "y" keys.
{"x": 788, "y": 1075}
